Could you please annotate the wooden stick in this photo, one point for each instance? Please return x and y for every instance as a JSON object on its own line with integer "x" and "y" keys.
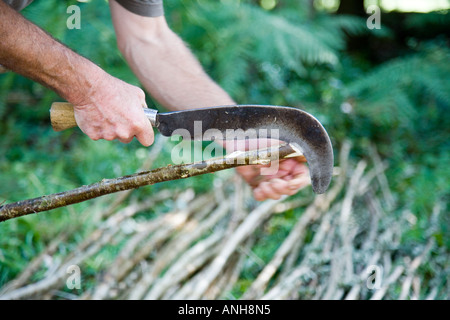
{"x": 108, "y": 186}
{"x": 146, "y": 165}
{"x": 314, "y": 211}
{"x": 254, "y": 219}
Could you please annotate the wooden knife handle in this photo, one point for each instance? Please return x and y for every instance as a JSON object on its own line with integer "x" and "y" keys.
{"x": 62, "y": 116}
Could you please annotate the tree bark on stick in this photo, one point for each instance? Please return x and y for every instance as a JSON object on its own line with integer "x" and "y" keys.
{"x": 171, "y": 172}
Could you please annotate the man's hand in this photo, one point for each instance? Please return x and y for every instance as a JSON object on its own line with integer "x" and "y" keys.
{"x": 273, "y": 180}
{"x": 105, "y": 107}
{"x": 114, "y": 111}
{"x": 290, "y": 177}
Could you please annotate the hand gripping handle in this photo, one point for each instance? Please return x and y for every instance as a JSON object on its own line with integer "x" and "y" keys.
{"x": 62, "y": 116}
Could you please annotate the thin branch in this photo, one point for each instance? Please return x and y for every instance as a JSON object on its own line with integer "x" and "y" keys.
{"x": 108, "y": 186}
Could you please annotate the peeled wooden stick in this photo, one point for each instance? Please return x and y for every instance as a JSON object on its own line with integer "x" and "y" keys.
{"x": 253, "y": 220}
{"x": 108, "y": 186}
{"x": 187, "y": 264}
{"x": 313, "y": 212}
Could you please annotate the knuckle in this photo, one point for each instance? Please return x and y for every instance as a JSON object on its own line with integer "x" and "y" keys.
{"x": 136, "y": 127}
{"x": 94, "y": 136}
{"x": 124, "y": 136}
{"x": 109, "y": 137}
{"x": 126, "y": 140}
{"x": 141, "y": 127}
{"x": 141, "y": 93}
{"x": 109, "y": 134}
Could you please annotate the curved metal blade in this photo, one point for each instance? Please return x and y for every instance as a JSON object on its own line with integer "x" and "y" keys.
{"x": 294, "y": 126}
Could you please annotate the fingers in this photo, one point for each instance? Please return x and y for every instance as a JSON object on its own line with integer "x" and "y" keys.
{"x": 276, "y": 188}
{"x": 273, "y": 189}
{"x": 145, "y": 134}
{"x": 124, "y": 132}
{"x": 140, "y": 126}
{"x": 290, "y": 178}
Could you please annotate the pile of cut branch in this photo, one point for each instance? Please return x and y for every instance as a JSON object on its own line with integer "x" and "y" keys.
{"x": 344, "y": 245}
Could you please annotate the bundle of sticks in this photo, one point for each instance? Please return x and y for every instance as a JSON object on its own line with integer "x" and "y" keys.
{"x": 343, "y": 245}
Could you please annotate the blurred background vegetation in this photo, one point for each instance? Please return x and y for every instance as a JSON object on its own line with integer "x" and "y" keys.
{"x": 387, "y": 88}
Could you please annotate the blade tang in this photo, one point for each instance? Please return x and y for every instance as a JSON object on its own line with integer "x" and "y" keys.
{"x": 151, "y": 115}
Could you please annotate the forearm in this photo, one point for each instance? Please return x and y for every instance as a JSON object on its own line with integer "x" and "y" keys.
{"x": 31, "y": 52}
{"x": 173, "y": 76}
{"x": 163, "y": 63}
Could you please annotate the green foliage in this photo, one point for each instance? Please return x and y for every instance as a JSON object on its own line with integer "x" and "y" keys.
{"x": 404, "y": 103}
{"x": 245, "y": 44}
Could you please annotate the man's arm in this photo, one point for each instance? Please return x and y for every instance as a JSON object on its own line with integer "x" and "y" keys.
{"x": 104, "y": 106}
{"x": 175, "y": 78}
{"x": 163, "y": 63}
